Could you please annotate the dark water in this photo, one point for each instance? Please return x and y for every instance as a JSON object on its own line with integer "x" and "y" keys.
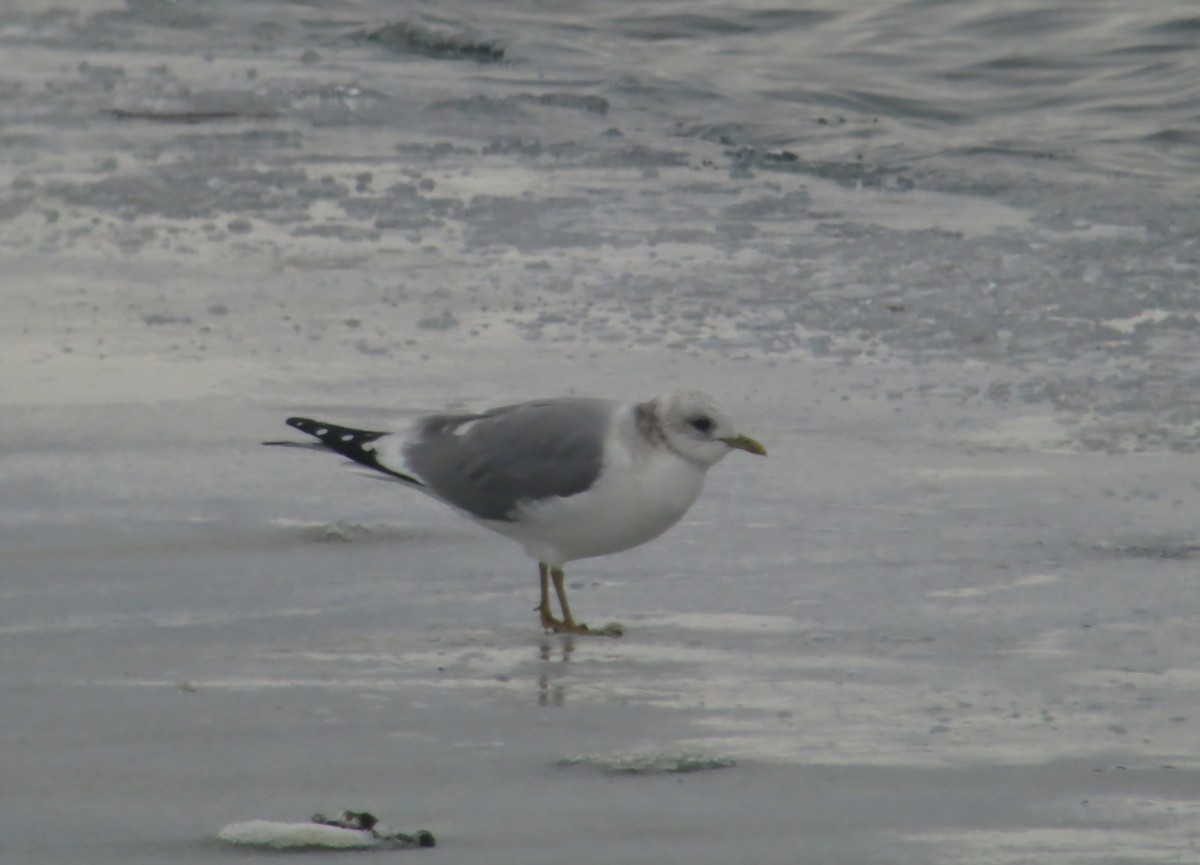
{"x": 1105, "y": 89}
{"x": 1098, "y": 88}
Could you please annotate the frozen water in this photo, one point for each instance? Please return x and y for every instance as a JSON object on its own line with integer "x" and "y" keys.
{"x": 940, "y": 258}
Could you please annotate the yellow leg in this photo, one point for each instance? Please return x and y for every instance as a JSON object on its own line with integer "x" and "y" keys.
{"x": 560, "y": 589}
{"x": 548, "y": 621}
{"x": 568, "y": 625}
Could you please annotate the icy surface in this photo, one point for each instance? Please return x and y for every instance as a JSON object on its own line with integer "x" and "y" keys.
{"x": 941, "y": 259}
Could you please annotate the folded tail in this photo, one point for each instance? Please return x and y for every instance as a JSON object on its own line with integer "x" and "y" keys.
{"x": 356, "y": 444}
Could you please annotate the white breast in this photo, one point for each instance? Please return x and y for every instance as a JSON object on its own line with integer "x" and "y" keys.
{"x": 642, "y": 492}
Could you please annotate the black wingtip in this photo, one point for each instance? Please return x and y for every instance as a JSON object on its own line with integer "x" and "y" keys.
{"x": 304, "y": 424}
{"x": 342, "y": 439}
{"x": 349, "y": 442}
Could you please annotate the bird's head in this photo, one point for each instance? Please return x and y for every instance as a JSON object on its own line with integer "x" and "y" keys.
{"x": 695, "y": 427}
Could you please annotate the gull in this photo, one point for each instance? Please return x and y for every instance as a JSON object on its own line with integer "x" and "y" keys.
{"x": 567, "y": 478}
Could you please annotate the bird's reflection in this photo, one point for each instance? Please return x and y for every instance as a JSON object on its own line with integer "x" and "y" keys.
{"x": 553, "y": 652}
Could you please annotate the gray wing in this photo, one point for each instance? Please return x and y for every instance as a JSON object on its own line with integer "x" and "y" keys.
{"x": 487, "y": 464}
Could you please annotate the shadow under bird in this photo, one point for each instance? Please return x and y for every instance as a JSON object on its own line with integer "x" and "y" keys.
{"x": 567, "y": 478}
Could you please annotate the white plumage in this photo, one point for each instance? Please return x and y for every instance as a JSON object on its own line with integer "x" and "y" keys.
{"x": 567, "y": 478}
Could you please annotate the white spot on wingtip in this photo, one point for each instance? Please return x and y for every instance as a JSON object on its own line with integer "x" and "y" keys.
{"x": 348, "y": 437}
{"x": 322, "y": 431}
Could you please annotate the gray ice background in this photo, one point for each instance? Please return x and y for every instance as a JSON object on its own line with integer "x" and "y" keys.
{"x": 941, "y": 258}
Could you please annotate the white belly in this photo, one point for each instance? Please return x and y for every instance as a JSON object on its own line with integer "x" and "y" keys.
{"x": 623, "y": 510}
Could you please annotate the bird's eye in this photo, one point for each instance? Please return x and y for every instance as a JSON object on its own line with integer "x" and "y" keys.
{"x": 701, "y": 424}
